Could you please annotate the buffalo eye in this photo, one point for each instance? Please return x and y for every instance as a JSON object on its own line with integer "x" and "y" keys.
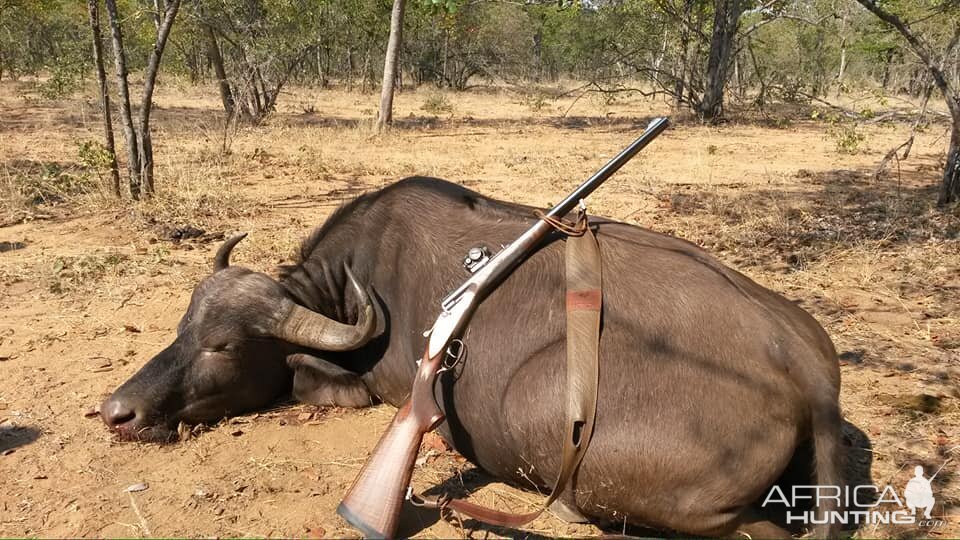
{"x": 227, "y": 349}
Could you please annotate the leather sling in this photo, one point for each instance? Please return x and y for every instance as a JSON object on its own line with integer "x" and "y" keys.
{"x": 583, "y": 309}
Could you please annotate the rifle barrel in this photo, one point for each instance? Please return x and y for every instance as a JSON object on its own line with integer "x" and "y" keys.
{"x": 500, "y": 264}
{"x": 657, "y": 125}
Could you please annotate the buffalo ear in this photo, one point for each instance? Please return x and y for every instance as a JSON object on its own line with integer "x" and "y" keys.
{"x": 323, "y": 383}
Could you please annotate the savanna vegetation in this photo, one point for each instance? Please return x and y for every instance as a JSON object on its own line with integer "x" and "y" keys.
{"x": 708, "y": 57}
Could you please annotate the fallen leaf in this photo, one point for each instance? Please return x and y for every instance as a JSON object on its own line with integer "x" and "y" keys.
{"x": 131, "y": 328}
{"x": 100, "y": 362}
{"x": 133, "y": 488}
{"x": 40, "y": 477}
{"x": 237, "y": 433}
{"x": 92, "y": 412}
{"x": 432, "y": 441}
{"x": 429, "y": 457}
{"x": 316, "y": 532}
{"x": 304, "y": 416}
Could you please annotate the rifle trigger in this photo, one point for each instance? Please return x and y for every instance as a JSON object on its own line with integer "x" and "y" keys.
{"x": 454, "y": 354}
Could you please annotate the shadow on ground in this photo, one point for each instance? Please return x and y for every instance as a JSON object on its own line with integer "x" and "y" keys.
{"x": 836, "y": 208}
{"x": 858, "y": 462}
{"x": 13, "y": 437}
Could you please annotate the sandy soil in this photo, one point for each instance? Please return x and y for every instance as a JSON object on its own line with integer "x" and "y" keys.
{"x": 95, "y": 287}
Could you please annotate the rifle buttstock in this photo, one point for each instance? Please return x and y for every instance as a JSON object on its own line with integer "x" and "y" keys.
{"x": 373, "y": 503}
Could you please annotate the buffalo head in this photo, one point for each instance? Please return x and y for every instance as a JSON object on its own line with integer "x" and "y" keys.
{"x": 235, "y": 351}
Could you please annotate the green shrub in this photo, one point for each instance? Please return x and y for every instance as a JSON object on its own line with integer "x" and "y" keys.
{"x": 437, "y": 104}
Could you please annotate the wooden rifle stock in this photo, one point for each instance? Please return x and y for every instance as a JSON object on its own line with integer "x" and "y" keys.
{"x": 373, "y": 503}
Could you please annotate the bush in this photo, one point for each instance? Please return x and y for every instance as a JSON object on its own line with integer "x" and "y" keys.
{"x": 847, "y": 138}
{"x": 437, "y": 104}
{"x": 46, "y": 183}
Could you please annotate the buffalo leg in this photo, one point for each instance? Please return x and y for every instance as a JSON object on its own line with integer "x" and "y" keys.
{"x": 323, "y": 383}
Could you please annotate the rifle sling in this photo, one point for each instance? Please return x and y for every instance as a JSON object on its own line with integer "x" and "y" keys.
{"x": 583, "y": 308}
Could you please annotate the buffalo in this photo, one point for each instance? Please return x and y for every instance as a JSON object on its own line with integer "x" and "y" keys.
{"x": 712, "y": 387}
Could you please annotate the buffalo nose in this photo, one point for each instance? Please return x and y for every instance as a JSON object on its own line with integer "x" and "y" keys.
{"x": 115, "y": 413}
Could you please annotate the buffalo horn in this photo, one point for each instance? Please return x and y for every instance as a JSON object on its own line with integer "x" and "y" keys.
{"x": 222, "y": 259}
{"x": 311, "y": 329}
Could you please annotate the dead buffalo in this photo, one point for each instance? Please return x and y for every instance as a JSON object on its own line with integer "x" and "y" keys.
{"x": 711, "y": 386}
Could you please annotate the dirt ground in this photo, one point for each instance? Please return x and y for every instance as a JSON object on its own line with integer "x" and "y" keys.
{"x": 91, "y": 288}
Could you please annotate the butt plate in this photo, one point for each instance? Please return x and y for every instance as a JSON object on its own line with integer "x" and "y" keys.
{"x": 366, "y": 530}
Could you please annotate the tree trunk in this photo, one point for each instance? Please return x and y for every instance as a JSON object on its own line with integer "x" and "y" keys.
{"x": 120, "y": 61}
{"x": 158, "y": 8}
{"x": 885, "y": 77}
{"x": 843, "y": 53}
{"x": 446, "y": 49}
{"x": 950, "y": 185}
{"x": 351, "y": 76}
{"x": 762, "y": 93}
{"x": 104, "y": 93}
{"x": 537, "y": 50}
{"x": 725, "y": 21}
{"x": 843, "y": 65}
{"x": 680, "y": 80}
{"x": 390, "y": 64}
{"x": 216, "y": 59}
{"x": 150, "y": 79}
{"x": 738, "y": 76}
{"x": 215, "y": 56}
{"x": 320, "y": 72}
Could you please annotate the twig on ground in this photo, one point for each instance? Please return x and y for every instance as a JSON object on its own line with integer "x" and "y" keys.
{"x": 136, "y": 510}
{"x": 906, "y": 145}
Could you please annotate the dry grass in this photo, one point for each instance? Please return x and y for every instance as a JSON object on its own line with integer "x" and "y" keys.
{"x": 769, "y": 194}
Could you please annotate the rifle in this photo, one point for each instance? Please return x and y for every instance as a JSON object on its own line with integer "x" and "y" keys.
{"x": 373, "y": 503}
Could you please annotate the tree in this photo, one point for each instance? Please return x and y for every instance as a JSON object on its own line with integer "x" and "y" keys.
{"x": 394, "y": 43}
{"x": 216, "y": 59}
{"x": 104, "y": 93}
{"x": 255, "y": 47}
{"x": 726, "y": 20}
{"x": 150, "y": 79}
{"x": 140, "y": 140}
{"x": 123, "y": 88}
{"x": 47, "y": 37}
{"x": 934, "y": 63}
